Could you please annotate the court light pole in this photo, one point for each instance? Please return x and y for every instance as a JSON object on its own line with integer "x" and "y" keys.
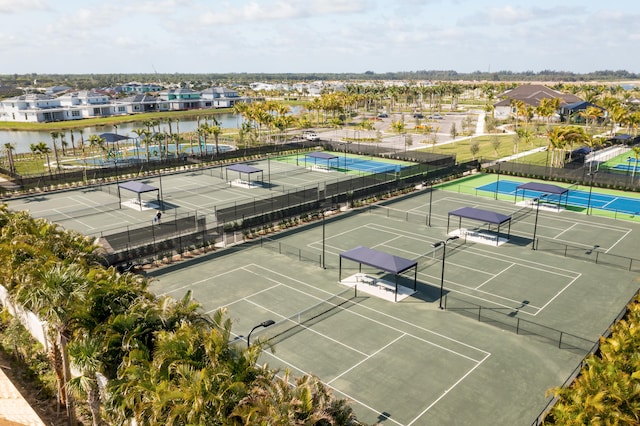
{"x": 266, "y": 323}
{"x": 498, "y": 181}
{"x": 535, "y": 225}
{"x": 323, "y": 235}
{"x": 444, "y": 253}
{"x": 430, "y": 201}
{"x": 592, "y": 174}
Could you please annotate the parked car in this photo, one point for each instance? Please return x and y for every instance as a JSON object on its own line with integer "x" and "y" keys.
{"x": 435, "y": 117}
{"x": 310, "y": 136}
{"x": 417, "y": 115}
{"x": 383, "y": 115}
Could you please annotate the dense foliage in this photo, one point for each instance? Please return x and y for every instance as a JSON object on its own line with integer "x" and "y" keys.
{"x": 607, "y": 391}
{"x": 91, "y": 81}
{"x": 164, "y": 361}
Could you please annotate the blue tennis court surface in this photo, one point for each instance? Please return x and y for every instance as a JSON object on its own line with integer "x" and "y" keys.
{"x": 351, "y": 163}
{"x": 575, "y": 198}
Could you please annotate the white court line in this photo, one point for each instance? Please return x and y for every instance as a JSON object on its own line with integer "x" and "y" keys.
{"x": 493, "y": 256}
{"x": 244, "y": 299}
{"x": 480, "y": 291}
{"x": 367, "y": 358}
{"x": 295, "y": 324}
{"x": 447, "y": 391}
{"x": 519, "y": 302}
{"x": 557, "y": 294}
{"x": 349, "y": 397}
{"x": 204, "y": 280}
{"x": 505, "y": 269}
{"x": 389, "y": 316}
{"x": 620, "y": 239}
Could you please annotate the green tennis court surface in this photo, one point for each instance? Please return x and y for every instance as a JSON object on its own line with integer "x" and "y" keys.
{"x": 410, "y": 363}
{"x": 517, "y": 321}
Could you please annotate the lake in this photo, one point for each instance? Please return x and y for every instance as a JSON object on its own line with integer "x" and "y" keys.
{"x": 23, "y": 139}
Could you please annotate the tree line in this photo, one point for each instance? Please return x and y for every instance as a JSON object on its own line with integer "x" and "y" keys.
{"x": 138, "y": 357}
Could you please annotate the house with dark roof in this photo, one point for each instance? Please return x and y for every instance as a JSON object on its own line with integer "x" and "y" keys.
{"x": 531, "y": 95}
{"x": 572, "y": 112}
{"x": 141, "y": 102}
{"x": 221, "y": 97}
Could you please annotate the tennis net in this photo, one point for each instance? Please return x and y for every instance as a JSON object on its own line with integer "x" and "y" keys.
{"x": 522, "y": 213}
{"x": 302, "y": 320}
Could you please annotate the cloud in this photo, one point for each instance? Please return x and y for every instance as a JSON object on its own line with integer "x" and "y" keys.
{"x": 13, "y": 6}
{"x": 510, "y": 15}
{"x": 278, "y": 10}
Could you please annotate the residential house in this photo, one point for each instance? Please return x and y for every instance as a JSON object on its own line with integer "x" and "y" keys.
{"x": 530, "y": 95}
{"x": 33, "y": 108}
{"x": 178, "y": 99}
{"x": 221, "y": 97}
{"x": 573, "y": 112}
{"x": 141, "y": 102}
{"x": 140, "y": 87}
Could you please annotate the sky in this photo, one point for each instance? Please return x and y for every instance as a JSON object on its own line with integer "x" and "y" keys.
{"x": 317, "y": 36}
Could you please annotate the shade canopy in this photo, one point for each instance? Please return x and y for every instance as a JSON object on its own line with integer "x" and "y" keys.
{"x": 543, "y": 190}
{"x": 113, "y": 137}
{"x": 137, "y": 187}
{"x": 543, "y": 187}
{"x": 243, "y": 168}
{"x": 380, "y": 260}
{"x": 486, "y": 216}
{"x": 322, "y": 155}
{"x": 482, "y": 215}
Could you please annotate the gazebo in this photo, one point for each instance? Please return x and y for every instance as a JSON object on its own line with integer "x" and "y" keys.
{"x": 486, "y": 216}
{"x": 244, "y": 169}
{"x": 542, "y": 189}
{"x": 138, "y": 188}
{"x": 321, "y": 156}
{"x": 380, "y": 260}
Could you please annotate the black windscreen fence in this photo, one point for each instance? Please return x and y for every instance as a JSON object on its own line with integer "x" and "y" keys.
{"x": 239, "y": 212}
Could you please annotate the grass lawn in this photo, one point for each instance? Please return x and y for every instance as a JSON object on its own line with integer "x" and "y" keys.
{"x": 489, "y": 148}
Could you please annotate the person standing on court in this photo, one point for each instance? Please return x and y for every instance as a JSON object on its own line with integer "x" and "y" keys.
{"x": 157, "y": 218}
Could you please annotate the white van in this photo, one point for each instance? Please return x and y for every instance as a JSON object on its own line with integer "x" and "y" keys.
{"x": 310, "y": 135}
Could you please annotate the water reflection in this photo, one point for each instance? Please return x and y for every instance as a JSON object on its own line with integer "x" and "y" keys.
{"x": 23, "y": 139}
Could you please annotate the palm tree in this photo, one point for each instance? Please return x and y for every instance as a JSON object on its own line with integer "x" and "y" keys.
{"x": 98, "y": 143}
{"x": 9, "y": 148}
{"x": 52, "y": 295}
{"x": 85, "y": 358}
{"x": 34, "y": 150}
{"x": 203, "y": 131}
{"x": 54, "y": 138}
{"x": 143, "y": 136}
{"x": 636, "y": 154}
{"x": 43, "y": 148}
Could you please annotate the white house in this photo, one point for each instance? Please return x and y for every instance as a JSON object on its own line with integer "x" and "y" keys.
{"x": 221, "y": 97}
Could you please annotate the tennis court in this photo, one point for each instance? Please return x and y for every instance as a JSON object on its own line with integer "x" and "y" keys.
{"x": 98, "y": 210}
{"x": 576, "y": 197}
{"x": 405, "y": 363}
{"x": 351, "y": 162}
{"x": 409, "y": 362}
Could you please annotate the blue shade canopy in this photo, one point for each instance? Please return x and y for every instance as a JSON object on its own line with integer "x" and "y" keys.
{"x": 543, "y": 187}
{"x": 379, "y": 260}
{"x": 243, "y": 168}
{"x": 482, "y": 215}
{"x": 137, "y": 187}
{"x": 322, "y": 155}
{"x": 113, "y": 137}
